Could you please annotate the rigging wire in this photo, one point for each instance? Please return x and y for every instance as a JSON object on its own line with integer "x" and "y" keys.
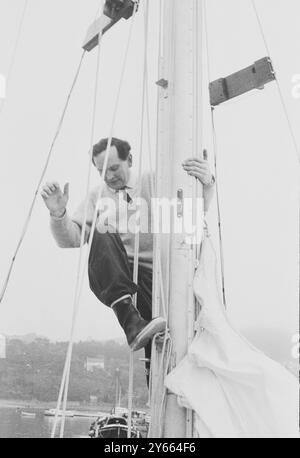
{"x": 158, "y": 396}
{"x": 63, "y": 391}
{"x": 154, "y": 189}
{"x": 280, "y": 91}
{"x": 214, "y": 130}
{"x": 29, "y": 215}
{"x": 282, "y": 100}
{"x": 14, "y": 53}
{"x": 222, "y": 260}
{"x": 57, "y": 410}
{"x": 214, "y": 135}
{"x": 145, "y": 107}
{"x": 153, "y": 390}
{"x": 137, "y": 234}
{"x": 66, "y": 372}
{"x": 130, "y": 394}
{"x": 165, "y": 361}
{"x": 205, "y": 28}
{"x": 164, "y": 304}
{"x": 78, "y": 288}
{"x": 83, "y": 232}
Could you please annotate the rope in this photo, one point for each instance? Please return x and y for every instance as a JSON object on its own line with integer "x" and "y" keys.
{"x": 166, "y": 363}
{"x": 145, "y": 106}
{"x": 79, "y": 284}
{"x": 82, "y": 241}
{"x": 160, "y": 391}
{"x": 157, "y": 392}
{"x": 15, "y": 50}
{"x": 219, "y": 209}
{"x": 137, "y": 234}
{"x": 167, "y": 368}
{"x": 214, "y": 131}
{"x": 206, "y": 39}
{"x": 280, "y": 91}
{"x": 159, "y": 398}
{"x": 152, "y": 182}
{"x": 215, "y": 152}
{"x": 64, "y": 387}
{"x": 58, "y": 130}
{"x": 152, "y": 388}
{"x": 261, "y": 28}
{"x": 28, "y": 218}
{"x": 153, "y": 193}
{"x": 165, "y": 310}
{"x": 66, "y": 373}
{"x": 130, "y": 394}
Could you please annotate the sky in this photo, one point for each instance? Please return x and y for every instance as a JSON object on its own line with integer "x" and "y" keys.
{"x": 258, "y": 168}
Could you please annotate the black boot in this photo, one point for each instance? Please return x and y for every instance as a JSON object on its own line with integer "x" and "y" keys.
{"x": 137, "y": 330}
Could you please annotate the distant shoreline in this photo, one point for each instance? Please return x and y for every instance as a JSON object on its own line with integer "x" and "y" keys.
{"x": 39, "y": 405}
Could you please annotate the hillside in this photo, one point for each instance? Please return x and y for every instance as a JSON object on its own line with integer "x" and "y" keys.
{"x": 33, "y": 371}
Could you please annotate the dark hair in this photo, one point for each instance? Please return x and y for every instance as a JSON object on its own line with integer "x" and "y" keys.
{"x": 122, "y": 146}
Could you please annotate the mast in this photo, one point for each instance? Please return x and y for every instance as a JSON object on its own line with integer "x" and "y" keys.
{"x": 118, "y": 390}
{"x": 179, "y": 138}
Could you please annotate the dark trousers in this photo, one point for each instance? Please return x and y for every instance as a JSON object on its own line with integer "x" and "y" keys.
{"x": 110, "y": 277}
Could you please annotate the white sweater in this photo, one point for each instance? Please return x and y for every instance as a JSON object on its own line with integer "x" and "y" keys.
{"x": 67, "y": 231}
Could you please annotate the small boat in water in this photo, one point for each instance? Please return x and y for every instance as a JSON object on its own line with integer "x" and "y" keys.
{"x": 115, "y": 424}
{"x": 52, "y": 413}
{"x": 28, "y": 414}
{"x": 111, "y": 426}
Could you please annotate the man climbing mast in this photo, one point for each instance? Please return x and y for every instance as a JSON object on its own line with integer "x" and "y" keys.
{"x": 112, "y": 251}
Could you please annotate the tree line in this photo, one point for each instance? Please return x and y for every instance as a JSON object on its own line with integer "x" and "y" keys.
{"x": 33, "y": 371}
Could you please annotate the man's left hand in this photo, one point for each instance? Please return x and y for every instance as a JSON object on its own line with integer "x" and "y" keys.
{"x": 200, "y": 169}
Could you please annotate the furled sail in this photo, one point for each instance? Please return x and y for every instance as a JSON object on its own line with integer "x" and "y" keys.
{"x": 234, "y": 389}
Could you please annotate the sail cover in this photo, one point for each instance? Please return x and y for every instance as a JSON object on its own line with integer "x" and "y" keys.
{"x": 234, "y": 389}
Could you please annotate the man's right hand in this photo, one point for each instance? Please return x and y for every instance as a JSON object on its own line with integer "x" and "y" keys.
{"x": 55, "y": 200}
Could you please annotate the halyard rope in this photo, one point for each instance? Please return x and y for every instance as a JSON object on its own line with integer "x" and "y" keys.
{"x": 45, "y": 168}
{"x": 14, "y": 53}
{"x": 284, "y": 106}
{"x": 78, "y": 288}
{"x": 28, "y": 218}
{"x": 137, "y": 228}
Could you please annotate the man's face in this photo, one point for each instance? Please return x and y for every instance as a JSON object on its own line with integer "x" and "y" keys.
{"x": 117, "y": 172}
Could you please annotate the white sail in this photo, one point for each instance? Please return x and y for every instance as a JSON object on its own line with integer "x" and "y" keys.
{"x": 235, "y": 390}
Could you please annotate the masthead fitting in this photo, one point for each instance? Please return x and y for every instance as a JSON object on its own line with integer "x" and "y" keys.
{"x": 113, "y": 12}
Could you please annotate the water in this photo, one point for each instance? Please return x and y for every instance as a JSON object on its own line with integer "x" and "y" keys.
{"x": 14, "y": 425}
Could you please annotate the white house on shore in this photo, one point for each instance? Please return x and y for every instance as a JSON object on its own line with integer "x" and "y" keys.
{"x": 94, "y": 363}
{"x": 2, "y": 347}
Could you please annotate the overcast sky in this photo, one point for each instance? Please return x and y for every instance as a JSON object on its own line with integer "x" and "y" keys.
{"x": 258, "y": 170}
